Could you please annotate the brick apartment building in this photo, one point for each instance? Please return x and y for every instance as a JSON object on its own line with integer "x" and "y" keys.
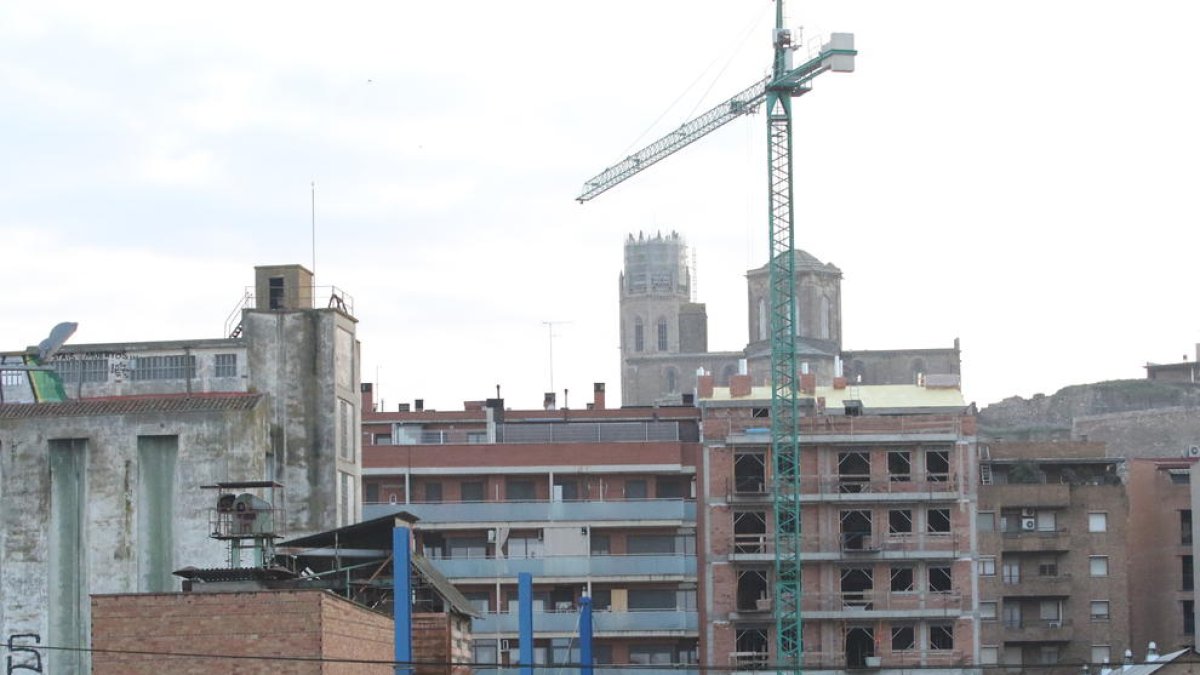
{"x": 1161, "y": 553}
{"x": 1054, "y": 576}
{"x": 888, "y": 492}
{"x": 597, "y": 501}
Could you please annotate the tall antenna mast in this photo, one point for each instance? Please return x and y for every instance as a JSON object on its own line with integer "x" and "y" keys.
{"x": 550, "y": 329}
{"x": 313, "y": 212}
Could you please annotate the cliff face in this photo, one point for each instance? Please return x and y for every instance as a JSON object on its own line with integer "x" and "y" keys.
{"x": 1044, "y": 418}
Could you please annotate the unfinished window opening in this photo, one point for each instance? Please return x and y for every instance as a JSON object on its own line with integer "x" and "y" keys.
{"x": 904, "y": 638}
{"x": 857, "y": 584}
{"x": 940, "y": 579}
{"x": 752, "y": 651}
{"x": 760, "y": 413}
{"x": 941, "y": 636}
{"x": 899, "y": 466}
{"x": 937, "y": 466}
{"x": 750, "y": 532}
{"x": 854, "y": 471}
{"x": 937, "y": 521}
{"x": 856, "y": 531}
{"x": 753, "y": 594}
{"x": 749, "y": 473}
{"x": 900, "y": 521}
{"x": 860, "y": 644}
{"x": 902, "y": 579}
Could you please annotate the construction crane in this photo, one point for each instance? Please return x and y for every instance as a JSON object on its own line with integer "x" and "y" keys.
{"x": 777, "y": 91}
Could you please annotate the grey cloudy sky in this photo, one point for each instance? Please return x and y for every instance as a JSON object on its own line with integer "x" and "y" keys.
{"x": 1020, "y": 175}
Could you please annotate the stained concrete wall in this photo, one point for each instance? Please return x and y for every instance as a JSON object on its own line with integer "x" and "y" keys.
{"x": 307, "y": 363}
{"x": 214, "y": 445}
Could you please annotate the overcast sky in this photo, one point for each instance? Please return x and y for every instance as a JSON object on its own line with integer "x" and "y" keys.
{"x": 1021, "y": 175}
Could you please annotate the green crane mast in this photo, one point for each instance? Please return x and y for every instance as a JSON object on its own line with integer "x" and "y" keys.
{"x": 777, "y": 91}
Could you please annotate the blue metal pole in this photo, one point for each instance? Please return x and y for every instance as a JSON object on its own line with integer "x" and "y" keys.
{"x": 585, "y": 635}
{"x": 525, "y": 620}
{"x": 402, "y": 598}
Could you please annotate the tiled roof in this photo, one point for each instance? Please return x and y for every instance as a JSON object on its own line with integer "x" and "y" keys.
{"x": 133, "y": 405}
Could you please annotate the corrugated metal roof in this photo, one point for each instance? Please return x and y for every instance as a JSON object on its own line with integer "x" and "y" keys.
{"x": 873, "y": 396}
{"x": 133, "y": 405}
{"x": 442, "y": 585}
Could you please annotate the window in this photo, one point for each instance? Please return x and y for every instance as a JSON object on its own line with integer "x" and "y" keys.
{"x": 1098, "y": 565}
{"x": 662, "y": 335}
{"x": 89, "y": 370}
{"x": 519, "y": 490}
{"x": 989, "y": 656}
{"x": 671, "y": 488}
{"x": 484, "y": 652}
{"x": 346, "y": 419}
{"x": 1012, "y": 615}
{"x": 1048, "y": 567}
{"x": 650, "y": 543}
{"x": 651, "y": 599}
{"x": 1189, "y": 617}
{"x": 178, "y": 367}
{"x": 275, "y": 293}
{"x": 900, "y": 521}
{"x": 940, "y": 579}
{"x": 937, "y": 466}
{"x": 672, "y": 381}
{"x": 1185, "y": 527}
{"x": 903, "y": 638}
{"x": 567, "y": 489}
{"x": 472, "y": 491}
{"x": 937, "y": 521}
{"x": 467, "y": 547}
{"x": 941, "y": 636}
{"x": 433, "y": 492}
{"x": 1100, "y": 654}
{"x": 985, "y": 521}
{"x": 1011, "y": 572}
{"x": 1186, "y": 570}
{"x": 1180, "y": 476}
{"x": 480, "y": 600}
{"x": 601, "y": 544}
{"x": 1099, "y": 610}
{"x": 602, "y": 599}
{"x": 987, "y": 567}
{"x": 1050, "y": 611}
{"x": 902, "y": 579}
{"x": 1097, "y": 522}
{"x": 371, "y": 493}
{"x": 635, "y": 489}
{"x": 649, "y": 655}
{"x": 383, "y": 439}
{"x": 225, "y": 365}
{"x": 1048, "y": 655}
{"x": 987, "y": 611}
{"x": 639, "y": 335}
{"x": 527, "y": 545}
{"x": 899, "y": 466}
{"x": 1046, "y": 521}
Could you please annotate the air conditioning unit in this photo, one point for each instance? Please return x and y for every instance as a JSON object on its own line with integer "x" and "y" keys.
{"x": 1192, "y": 452}
{"x": 1028, "y": 513}
{"x": 1028, "y": 524}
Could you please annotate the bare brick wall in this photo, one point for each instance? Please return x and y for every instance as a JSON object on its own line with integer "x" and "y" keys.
{"x": 310, "y": 624}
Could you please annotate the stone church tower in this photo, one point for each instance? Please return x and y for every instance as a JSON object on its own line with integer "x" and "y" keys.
{"x": 818, "y": 316}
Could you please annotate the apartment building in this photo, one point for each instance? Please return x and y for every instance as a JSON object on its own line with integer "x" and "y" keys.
{"x": 1161, "y": 552}
{"x": 594, "y": 501}
{"x": 1053, "y": 573}
{"x": 887, "y": 503}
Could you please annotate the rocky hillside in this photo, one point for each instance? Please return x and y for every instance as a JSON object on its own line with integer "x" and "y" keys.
{"x": 1050, "y": 417}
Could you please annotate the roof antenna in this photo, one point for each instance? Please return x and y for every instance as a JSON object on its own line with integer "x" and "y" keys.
{"x": 313, "y": 212}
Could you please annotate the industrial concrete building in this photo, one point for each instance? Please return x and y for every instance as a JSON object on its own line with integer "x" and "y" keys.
{"x": 887, "y": 499}
{"x": 592, "y": 501}
{"x": 1056, "y": 584}
{"x": 664, "y": 331}
{"x": 100, "y": 493}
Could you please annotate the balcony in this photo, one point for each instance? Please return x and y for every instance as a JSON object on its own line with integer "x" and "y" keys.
{"x": 1034, "y": 586}
{"x": 942, "y": 487}
{"x": 506, "y": 513}
{"x": 1035, "y": 540}
{"x": 881, "y": 604}
{"x": 854, "y": 546}
{"x": 649, "y": 566}
{"x": 1033, "y": 495}
{"x": 603, "y": 623}
{"x": 947, "y": 659}
{"x": 1038, "y": 631}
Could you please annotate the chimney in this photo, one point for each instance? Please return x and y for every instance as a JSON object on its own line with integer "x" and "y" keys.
{"x": 548, "y": 401}
{"x": 839, "y": 383}
{"x": 704, "y": 386}
{"x": 419, "y": 405}
{"x": 739, "y": 386}
{"x": 598, "y": 396}
{"x": 808, "y": 383}
{"x": 368, "y": 396}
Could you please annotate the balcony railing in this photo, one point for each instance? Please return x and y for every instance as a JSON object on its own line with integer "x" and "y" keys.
{"x": 569, "y": 566}
{"x": 483, "y": 513}
{"x": 934, "y": 486}
{"x": 640, "y": 622}
{"x": 761, "y": 660}
{"x": 856, "y": 544}
{"x": 757, "y": 430}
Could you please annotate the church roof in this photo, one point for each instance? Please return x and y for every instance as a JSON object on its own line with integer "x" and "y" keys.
{"x": 804, "y": 261}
